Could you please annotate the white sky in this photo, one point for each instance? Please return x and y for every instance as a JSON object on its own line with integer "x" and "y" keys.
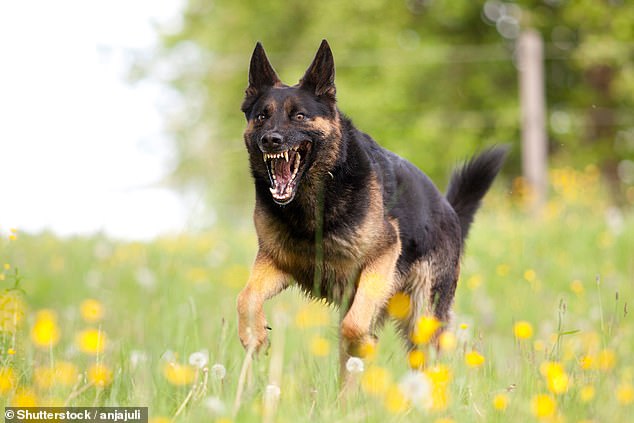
{"x": 81, "y": 150}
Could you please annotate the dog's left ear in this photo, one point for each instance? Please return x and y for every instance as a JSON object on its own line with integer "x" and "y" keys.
{"x": 320, "y": 75}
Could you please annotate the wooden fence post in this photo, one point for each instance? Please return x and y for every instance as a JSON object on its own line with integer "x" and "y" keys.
{"x": 533, "y": 104}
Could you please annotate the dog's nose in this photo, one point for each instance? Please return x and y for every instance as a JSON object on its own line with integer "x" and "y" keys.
{"x": 271, "y": 140}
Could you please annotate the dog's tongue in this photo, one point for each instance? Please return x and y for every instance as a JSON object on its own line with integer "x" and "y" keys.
{"x": 282, "y": 171}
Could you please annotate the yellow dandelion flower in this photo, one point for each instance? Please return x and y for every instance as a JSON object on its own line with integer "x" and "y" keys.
{"x": 398, "y": 306}
{"x": 91, "y": 310}
{"x": 543, "y": 406}
{"x": 160, "y": 419}
{"x": 12, "y": 310}
{"x": 425, "y": 328}
{"x": 11, "y": 351}
{"x": 66, "y": 373}
{"x": 557, "y": 380}
{"x": 366, "y": 350}
{"x": 416, "y": 359}
{"x": 625, "y": 393}
{"x": 474, "y": 282}
{"x": 502, "y": 269}
{"x": 523, "y": 330}
{"x": 235, "y": 275}
{"x": 577, "y": 287}
{"x": 439, "y": 376}
{"x": 99, "y": 375}
{"x": 319, "y": 346}
{"x": 539, "y": 345}
{"x": 587, "y": 362}
{"x": 558, "y": 383}
{"x": 474, "y": 359}
{"x": 223, "y": 420}
{"x": 312, "y": 315}
{"x": 44, "y": 377}
{"x": 376, "y": 380}
{"x": 7, "y": 380}
{"x": 6, "y": 266}
{"x": 447, "y": 341}
{"x": 92, "y": 341}
{"x": 24, "y": 398}
{"x": 530, "y": 275}
{"x": 395, "y": 401}
{"x": 179, "y": 374}
{"x": 197, "y": 275}
{"x": 606, "y": 360}
{"x": 45, "y": 332}
{"x": 587, "y": 393}
{"x": 500, "y": 402}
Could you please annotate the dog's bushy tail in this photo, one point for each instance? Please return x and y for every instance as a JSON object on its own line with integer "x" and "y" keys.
{"x": 470, "y": 182}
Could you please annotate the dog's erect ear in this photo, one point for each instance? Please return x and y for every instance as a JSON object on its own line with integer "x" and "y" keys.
{"x": 261, "y": 73}
{"x": 320, "y": 75}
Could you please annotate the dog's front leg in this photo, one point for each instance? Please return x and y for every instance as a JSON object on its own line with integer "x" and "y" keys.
{"x": 265, "y": 281}
{"x": 376, "y": 285}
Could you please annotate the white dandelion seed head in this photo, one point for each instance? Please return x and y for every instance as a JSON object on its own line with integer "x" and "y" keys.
{"x": 145, "y": 278}
{"x": 354, "y": 365}
{"x": 199, "y": 358}
{"x": 416, "y": 387}
{"x": 272, "y": 392}
{"x": 169, "y": 356}
{"x": 137, "y": 357}
{"x": 218, "y": 371}
{"x": 215, "y": 405}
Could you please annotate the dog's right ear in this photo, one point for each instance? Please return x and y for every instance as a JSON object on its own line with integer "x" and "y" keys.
{"x": 261, "y": 76}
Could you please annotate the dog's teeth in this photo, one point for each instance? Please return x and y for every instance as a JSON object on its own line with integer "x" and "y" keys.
{"x": 286, "y": 155}
{"x": 296, "y": 166}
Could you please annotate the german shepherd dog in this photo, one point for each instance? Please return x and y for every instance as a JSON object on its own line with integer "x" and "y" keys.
{"x": 343, "y": 218}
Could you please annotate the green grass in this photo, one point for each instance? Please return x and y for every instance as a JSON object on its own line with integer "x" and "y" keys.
{"x": 562, "y": 273}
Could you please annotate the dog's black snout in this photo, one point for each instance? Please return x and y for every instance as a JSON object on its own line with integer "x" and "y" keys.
{"x": 271, "y": 140}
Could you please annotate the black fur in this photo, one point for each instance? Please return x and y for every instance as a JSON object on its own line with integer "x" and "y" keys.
{"x": 469, "y": 184}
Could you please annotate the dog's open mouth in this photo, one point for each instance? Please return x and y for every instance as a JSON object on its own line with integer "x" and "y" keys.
{"x": 285, "y": 169}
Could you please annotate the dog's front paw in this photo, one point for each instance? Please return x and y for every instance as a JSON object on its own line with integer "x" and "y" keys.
{"x": 357, "y": 342}
{"x": 254, "y": 336}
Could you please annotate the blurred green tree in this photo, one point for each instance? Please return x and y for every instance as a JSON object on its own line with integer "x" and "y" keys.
{"x": 432, "y": 80}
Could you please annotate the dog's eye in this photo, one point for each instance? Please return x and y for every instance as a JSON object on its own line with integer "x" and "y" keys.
{"x": 260, "y": 117}
{"x": 299, "y": 116}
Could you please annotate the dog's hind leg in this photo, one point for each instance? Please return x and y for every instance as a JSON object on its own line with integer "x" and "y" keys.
{"x": 431, "y": 289}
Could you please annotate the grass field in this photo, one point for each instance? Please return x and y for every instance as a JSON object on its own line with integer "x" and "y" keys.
{"x": 542, "y": 330}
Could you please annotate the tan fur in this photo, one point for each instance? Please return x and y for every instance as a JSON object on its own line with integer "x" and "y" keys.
{"x": 375, "y": 286}
{"x": 265, "y": 281}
